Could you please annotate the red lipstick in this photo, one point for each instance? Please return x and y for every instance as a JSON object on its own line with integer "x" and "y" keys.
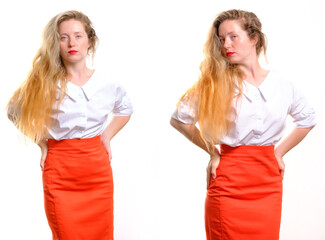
{"x": 229, "y": 54}
{"x": 72, "y": 52}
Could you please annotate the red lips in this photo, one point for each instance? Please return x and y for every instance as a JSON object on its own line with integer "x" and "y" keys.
{"x": 72, "y": 52}
{"x": 229, "y": 54}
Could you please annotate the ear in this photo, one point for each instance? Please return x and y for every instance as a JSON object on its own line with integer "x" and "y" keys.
{"x": 89, "y": 45}
{"x": 254, "y": 40}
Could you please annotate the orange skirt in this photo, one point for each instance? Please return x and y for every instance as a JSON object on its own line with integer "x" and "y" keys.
{"x": 244, "y": 200}
{"x": 78, "y": 190}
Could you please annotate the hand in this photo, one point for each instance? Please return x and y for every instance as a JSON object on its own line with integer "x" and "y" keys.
{"x": 281, "y": 163}
{"x": 212, "y": 167}
{"x": 107, "y": 145}
{"x": 44, "y": 150}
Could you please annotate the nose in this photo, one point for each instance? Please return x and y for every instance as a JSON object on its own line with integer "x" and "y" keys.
{"x": 226, "y": 43}
{"x": 71, "y": 42}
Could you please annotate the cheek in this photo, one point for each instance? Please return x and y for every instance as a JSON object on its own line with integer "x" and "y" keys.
{"x": 223, "y": 51}
{"x": 84, "y": 45}
{"x": 88, "y": 45}
{"x": 62, "y": 47}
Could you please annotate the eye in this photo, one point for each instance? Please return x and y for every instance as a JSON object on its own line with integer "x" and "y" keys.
{"x": 233, "y": 37}
{"x": 222, "y": 40}
{"x": 63, "y": 38}
{"x": 78, "y": 36}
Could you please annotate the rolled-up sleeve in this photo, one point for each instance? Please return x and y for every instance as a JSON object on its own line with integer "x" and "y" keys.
{"x": 302, "y": 112}
{"x": 123, "y": 105}
{"x": 184, "y": 112}
{"x": 12, "y": 112}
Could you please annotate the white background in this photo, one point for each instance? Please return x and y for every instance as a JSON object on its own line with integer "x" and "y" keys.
{"x": 154, "y": 49}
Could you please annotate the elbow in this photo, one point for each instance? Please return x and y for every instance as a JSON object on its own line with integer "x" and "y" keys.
{"x": 10, "y": 115}
{"x": 11, "y": 112}
{"x": 175, "y": 123}
{"x": 310, "y": 128}
{"x": 307, "y": 129}
{"x": 180, "y": 126}
{"x": 172, "y": 122}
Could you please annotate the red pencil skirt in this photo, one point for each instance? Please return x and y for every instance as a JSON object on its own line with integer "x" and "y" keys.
{"x": 78, "y": 190}
{"x": 244, "y": 201}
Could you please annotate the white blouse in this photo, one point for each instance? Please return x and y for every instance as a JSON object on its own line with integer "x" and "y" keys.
{"x": 260, "y": 114}
{"x": 84, "y": 110}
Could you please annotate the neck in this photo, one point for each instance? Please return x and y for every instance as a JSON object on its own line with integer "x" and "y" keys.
{"x": 78, "y": 74}
{"x": 253, "y": 73}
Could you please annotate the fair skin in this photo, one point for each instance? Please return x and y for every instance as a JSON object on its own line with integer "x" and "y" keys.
{"x": 240, "y": 50}
{"x": 74, "y": 45}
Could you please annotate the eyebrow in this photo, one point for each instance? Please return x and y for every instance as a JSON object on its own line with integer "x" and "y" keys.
{"x": 73, "y": 33}
{"x": 228, "y": 34}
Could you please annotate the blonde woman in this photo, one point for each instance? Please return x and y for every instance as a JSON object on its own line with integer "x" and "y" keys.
{"x": 243, "y": 108}
{"x": 63, "y": 106}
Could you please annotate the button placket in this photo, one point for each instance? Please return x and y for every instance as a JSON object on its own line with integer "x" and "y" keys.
{"x": 83, "y": 111}
{"x": 258, "y": 114}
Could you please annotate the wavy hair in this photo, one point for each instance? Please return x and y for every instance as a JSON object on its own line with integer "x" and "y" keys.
{"x": 220, "y": 82}
{"x": 31, "y": 105}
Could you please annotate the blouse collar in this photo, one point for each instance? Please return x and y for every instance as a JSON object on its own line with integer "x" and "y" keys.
{"x": 89, "y": 88}
{"x": 265, "y": 89}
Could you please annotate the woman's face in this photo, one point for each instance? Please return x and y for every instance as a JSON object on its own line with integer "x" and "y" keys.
{"x": 74, "y": 42}
{"x": 235, "y": 43}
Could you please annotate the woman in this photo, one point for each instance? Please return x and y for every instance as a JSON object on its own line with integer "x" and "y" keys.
{"x": 242, "y": 107}
{"x": 63, "y": 106}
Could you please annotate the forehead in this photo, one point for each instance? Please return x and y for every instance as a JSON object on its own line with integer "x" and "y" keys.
{"x": 230, "y": 26}
{"x": 71, "y": 25}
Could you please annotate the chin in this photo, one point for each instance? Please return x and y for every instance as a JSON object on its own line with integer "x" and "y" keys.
{"x": 233, "y": 61}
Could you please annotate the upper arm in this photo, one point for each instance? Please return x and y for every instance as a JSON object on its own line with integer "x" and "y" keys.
{"x": 301, "y": 111}
{"x": 122, "y": 106}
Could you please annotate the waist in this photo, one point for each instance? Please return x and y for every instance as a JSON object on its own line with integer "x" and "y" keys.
{"x": 247, "y": 150}
{"x": 80, "y": 143}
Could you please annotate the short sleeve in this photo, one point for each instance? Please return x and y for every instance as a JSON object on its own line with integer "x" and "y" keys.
{"x": 12, "y": 111}
{"x": 301, "y": 111}
{"x": 184, "y": 112}
{"x": 122, "y": 106}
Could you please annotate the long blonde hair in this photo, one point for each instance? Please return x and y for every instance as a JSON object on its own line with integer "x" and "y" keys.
{"x": 31, "y": 105}
{"x": 220, "y": 82}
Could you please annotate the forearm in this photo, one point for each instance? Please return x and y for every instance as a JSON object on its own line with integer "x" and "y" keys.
{"x": 295, "y": 137}
{"x": 191, "y": 132}
{"x": 42, "y": 143}
{"x": 115, "y": 125}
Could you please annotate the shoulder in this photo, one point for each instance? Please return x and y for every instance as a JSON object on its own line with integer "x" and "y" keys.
{"x": 103, "y": 77}
{"x": 277, "y": 77}
{"x": 281, "y": 83}
{"x": 106, "y": 84}
{"x": 102, "y": 81}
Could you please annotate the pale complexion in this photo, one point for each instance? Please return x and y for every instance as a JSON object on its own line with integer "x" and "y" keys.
{"x": 240, "y": 50}
{"x": 74, "y": 46}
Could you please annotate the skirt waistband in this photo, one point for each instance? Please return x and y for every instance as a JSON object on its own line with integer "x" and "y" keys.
{"x": 247, "y": 150}
{"x": 80, "y": 142}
